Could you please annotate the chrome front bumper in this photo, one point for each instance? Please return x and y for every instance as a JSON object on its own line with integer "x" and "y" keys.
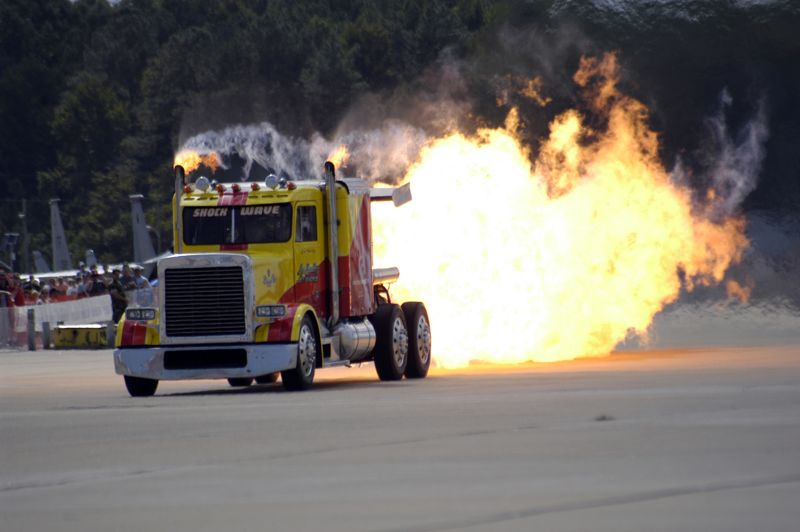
{"x": 148, "y": 362}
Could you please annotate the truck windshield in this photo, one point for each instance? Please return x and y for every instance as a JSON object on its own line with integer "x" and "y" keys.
{"x": 245, "y": 224}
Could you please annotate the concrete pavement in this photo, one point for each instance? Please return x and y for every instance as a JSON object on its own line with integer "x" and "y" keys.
{"x": 668, "y": 440}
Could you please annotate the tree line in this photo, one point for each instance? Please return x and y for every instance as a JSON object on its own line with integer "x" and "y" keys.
{"x": 93, "y": 95}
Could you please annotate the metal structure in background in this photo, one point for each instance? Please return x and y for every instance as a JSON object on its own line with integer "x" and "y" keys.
{"x": 26, "y": 242}
{"x": 8, "y": 247}
{"x": 34, "y": 261}
{"x": 6, "y": 319}
{"x": 40, "y": 263}
{"x": 142, "y": 245}
{"x": 23, "y": 257}
{"x": 154, "y": 232}
{"x": 61, "y": 258}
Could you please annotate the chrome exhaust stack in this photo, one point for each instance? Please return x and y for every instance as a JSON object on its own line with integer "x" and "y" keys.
{"x": 333, "y": 241}
{"x": 385, "y": 275}
{"x": 180, "y": 180}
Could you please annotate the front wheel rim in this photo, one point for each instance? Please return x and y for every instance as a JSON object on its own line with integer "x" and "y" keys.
{"x": 307, "y": 350}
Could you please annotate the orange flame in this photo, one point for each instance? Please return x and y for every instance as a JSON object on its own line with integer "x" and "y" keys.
{"x": 561, "y": 259}
{"x": 533, "y": 90}
{"x": 340, "y": 156}
{"x": 738, "y": 291}
{"x": 191, "y": 160}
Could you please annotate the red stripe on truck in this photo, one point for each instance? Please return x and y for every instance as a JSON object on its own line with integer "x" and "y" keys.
{"x": 233, "y": 198}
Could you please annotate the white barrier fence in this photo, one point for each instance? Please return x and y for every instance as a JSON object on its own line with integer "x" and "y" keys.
{"x": 14, "y": 321}
{"x": 77, "y": 312}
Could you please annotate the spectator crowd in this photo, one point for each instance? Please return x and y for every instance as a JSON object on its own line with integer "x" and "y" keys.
{"x": 17, "y": 292}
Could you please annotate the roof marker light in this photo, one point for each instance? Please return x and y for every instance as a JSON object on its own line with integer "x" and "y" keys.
{"x": 255, "y": 186}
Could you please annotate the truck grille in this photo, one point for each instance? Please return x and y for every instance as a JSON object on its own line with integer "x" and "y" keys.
{"x": 204, "y": 301}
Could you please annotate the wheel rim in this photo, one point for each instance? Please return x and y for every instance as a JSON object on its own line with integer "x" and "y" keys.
{"x": 399, "y": 343}
{"x": 307, "y": 350}
{"x": 423, "y": 340}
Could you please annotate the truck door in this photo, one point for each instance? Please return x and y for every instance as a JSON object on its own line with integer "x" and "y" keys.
{"x": 309, "y": 256}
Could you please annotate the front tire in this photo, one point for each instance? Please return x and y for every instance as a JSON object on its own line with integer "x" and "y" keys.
{"x": 302, "y": 376}
{"x": 391, "y": 346}
{"x": 419, "y": 340}
{"x": 140, "y": 387}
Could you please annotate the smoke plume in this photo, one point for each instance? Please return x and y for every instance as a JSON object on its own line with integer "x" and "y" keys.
{"x": 256, "y": 143}
{"x": 737, "y": 157}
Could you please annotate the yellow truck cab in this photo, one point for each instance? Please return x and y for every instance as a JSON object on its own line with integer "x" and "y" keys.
{"x": 271, "y": 278}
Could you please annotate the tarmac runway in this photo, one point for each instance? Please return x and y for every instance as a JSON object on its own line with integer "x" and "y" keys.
{"x": 705, "y": 439}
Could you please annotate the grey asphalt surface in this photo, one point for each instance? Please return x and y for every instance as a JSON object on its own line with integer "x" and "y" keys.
{"x": 661, "y": 441}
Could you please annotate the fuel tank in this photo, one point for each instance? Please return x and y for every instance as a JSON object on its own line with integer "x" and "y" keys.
{"x": 356, "y": 339}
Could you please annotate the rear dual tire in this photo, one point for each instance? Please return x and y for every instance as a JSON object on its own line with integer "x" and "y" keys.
{"x": 391, "y": 346}
{"x": 419, "y": 340}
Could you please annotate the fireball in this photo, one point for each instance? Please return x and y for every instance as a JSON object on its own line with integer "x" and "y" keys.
{"x": 561, "y": 258}
{"x": 340, "y": 156}
{"x": 190, "y": 160}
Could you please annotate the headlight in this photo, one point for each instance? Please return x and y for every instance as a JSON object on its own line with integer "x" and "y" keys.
{"x": 270, "y": 311}
{"x": 140, "y": 314}
{"x": 272, "y": 181}
{"x": 202, "y": 183}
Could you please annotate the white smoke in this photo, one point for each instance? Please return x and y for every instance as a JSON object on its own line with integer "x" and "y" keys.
{"x": 259, "y": 143}
{"x": 383, "y": 153}
{"x": 382, "y": 132}
{"x": 737, "y": 163}
{"x": 733, "y": 159}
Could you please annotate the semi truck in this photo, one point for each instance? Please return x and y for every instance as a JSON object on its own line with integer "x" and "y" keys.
{"x": 270, "y": 279}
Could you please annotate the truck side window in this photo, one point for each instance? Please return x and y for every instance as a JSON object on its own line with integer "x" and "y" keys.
{"x": 306, "y": 224}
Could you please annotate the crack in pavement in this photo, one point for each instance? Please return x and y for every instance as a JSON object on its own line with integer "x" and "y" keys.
{"x": 618, "y": 500}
